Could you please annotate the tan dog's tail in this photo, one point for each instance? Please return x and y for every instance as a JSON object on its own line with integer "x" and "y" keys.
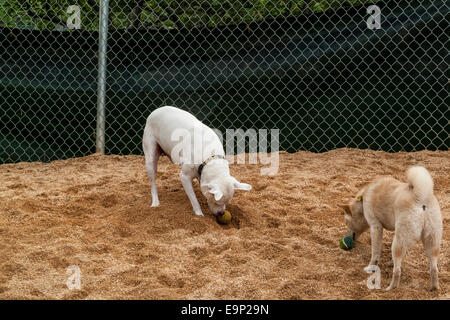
{"x": 421, "y": 182}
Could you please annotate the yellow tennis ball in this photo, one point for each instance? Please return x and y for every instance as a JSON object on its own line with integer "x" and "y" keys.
{"x": 225, "y": 218}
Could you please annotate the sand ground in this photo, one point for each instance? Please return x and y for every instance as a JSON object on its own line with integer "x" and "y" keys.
{"x": 94, "y": 212}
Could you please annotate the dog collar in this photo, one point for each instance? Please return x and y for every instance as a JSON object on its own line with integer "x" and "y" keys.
{"x": 204, "y": 163}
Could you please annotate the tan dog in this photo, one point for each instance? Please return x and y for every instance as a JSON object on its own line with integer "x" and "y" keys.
{"x": 410, "y": 209}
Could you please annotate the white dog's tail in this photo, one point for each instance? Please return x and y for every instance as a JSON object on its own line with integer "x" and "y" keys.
{"x": 421, "y": 182}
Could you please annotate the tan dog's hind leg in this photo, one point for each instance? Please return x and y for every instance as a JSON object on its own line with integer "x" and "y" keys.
{"x": 432, "y": 251}
{"x": 398, "y": 253}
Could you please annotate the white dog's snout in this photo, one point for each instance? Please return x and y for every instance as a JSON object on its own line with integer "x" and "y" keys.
{"x": 218, "y": 211}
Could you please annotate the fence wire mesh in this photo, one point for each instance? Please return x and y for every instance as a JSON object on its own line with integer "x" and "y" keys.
{"x": 328, "y": 74}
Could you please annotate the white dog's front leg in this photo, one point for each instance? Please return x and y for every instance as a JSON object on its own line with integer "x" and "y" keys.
{"x": 186, "y": 181}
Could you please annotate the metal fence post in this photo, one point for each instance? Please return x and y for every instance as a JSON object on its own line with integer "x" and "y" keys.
{"x": 101, "y": 89}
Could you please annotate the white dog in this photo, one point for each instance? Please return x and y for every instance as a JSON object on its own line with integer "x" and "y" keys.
{"x": 188, "y": 142}
{"x": 411, "y": 209}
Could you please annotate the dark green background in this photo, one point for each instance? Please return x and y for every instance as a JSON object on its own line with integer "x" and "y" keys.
{"x": 323, "y": 79}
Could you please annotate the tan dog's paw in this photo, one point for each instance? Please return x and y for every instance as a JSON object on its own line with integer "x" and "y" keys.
{"x": 371, "y": 268}
{"x": 435, "y": 287}
{"x": 391, "y": 287}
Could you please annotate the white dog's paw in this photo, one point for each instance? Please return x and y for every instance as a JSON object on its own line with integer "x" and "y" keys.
{"x": 199, "y": 213}
{"x": 155, "y": 204}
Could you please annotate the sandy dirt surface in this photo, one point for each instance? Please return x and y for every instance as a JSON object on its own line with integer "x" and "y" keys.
{"x": 94, "y": 212}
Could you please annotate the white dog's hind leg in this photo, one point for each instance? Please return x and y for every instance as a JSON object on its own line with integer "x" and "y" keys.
{"x": 152, "y": 151}
{"x": 186, "y": 181}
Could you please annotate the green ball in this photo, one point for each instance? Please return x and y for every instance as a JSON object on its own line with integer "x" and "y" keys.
{"x": 225, "y": 218}
{"x": 346, "y": 243}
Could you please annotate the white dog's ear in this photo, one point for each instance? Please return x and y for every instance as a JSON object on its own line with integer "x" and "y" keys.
{"x": 214, "y": 189}
{"x": 241, "y": 186}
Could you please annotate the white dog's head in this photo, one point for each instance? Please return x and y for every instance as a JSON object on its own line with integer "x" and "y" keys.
{"x": 219, "y": 192}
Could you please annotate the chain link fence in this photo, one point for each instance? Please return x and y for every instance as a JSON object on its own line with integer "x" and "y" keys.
{"x": 328, "y": 74}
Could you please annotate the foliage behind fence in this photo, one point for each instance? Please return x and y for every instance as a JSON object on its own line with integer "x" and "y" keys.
{"x": 313, "y": 69}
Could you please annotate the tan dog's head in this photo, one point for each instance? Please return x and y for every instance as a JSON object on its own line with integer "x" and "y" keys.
{"x": 354, "y": 216}
{"x": 220, "y": 192}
